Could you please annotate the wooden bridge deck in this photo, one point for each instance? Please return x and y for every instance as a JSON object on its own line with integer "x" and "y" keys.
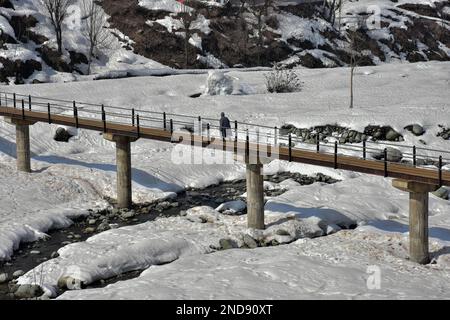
{"x": 394, "y": 170}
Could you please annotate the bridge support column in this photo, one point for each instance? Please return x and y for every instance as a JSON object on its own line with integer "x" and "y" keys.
{"x": 23, "y": 154}
{"x": 123, "y": 162}
{"x": 255, "y": 196}
{"x": 418, "y": 218}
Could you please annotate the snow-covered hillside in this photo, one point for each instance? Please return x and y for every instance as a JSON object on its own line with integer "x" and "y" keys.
{"x": 78, "y": 174}
{"x": 150, "y": 34}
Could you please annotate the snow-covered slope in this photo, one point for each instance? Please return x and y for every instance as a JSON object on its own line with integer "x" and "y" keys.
{"x": 28, "y": 53}
{"x": 148, "y": 31}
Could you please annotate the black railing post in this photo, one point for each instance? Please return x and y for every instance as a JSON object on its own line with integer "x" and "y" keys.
{"x": 133, "y": 115}
{"x": 440, "y": 171}
{"x": 208, "y": 132}
{"x": 14, "y": 100}
{"x": 414, "y": 156}
{"x": 335, "y": 154}
{"x": 104, "y": 118}
{"x": 171, "y": 126}
{"x": 138, "y": 124}
{"x": 385, "y": 163}
{"x": 49, "y": 113}
{"x": 75, "y": 114}
{"x": 164, "y": 121}
{"x": 29, "y": 102}
{"x": 247, "y": 147}
{"x": 235, "y": 130}
{"x": 290, "y": 147}
{"x": 200, "y": 126}
{"x": 364, "y": 150}
{"x": 317, "y": 143}
{"x": 275, "y": 135}
{"x": 23, "y": 110}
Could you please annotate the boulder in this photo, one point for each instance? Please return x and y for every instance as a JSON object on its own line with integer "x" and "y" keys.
{"x": 28, "y": 291}
{"x": 442, "y": 193}
{"x": 62, "y": 135}
{"x": 415, "y": 129}
{"x": 4, "y": 277}
{"x": 227, "y": 243}
{"x": 393, "y": 155}
{"x": 218, "y": 83}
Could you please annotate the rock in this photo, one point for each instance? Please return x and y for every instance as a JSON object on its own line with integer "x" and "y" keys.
{"x": 392, "y": 135}
{"x": 232, "y": 207}
{"x": 62, "y": 135}
{"x": 103, "y": 226}
{"x": 183, "y": 213}
{"x": 4, "y": 277}
{"x": 332, "y": 228}
{"x": 128, "y": 215}
{"x": 88, "y": 230}
{"x": 27, "y": 291}
{"x": 442, "y": 193}
{"x": 393, "y": 155}
{"x": 35, "y": 252}
{"x": 91, "y": 222}
{"x": 70, "y": 283}
{"x": 18, "y": 274}
{"x": 282, "y": 239}
{"x": 54, "y": 255}
{"x": 249, "y": 241}
{"x": 227, "y": 243}
{"x": 64, "y": 243}
{"x": 415, "y": 129}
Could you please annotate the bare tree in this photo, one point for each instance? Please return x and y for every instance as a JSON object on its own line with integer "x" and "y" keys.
{"x": 261, "y": 12}
{"x": 334, "y": 7}
{"x": 356, "y": 56}
{"x": 188, "y": 16}
{"x": 57, "y": 11}
{"x": 94, "y": 29}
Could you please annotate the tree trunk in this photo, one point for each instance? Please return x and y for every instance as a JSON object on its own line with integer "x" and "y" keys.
{"x": 352, "y": 69}
{"x": 59, "y": 40}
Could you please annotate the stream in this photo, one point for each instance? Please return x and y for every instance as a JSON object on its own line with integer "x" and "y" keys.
{"x": 30, "y": 255}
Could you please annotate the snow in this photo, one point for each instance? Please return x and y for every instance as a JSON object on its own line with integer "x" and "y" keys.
{"x": 6, "y": 28}
{"x": 232, "y": 207}
{"x": 333, "y": 267}
{"x": 72, "y": 177}
{"x": 164, "y": 5}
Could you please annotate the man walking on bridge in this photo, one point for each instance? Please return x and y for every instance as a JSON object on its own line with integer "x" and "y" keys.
{"x": 225, "y": 126}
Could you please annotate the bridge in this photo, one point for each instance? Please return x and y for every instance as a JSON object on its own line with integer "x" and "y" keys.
{"x": 252, "y": 144}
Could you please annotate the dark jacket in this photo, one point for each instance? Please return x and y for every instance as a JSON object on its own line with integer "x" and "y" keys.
{"x": 225, "y": 123}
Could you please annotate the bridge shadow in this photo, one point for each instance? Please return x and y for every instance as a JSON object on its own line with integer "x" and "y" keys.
{"x": 138, "y": 176}
{"x": 326, "y": 214}
{"x": 396, "y": 226}
{"x": 7, "y": 147}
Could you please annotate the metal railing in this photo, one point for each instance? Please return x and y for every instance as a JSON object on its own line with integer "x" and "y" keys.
{"x": 239, "y": 131}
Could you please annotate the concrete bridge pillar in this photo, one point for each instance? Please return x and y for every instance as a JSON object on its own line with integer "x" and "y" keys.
{"x": 418, "y": 218}
{"x": 255, "y": 196}
{"x": 123, "y": 162}
{"x": 23, "y": 155}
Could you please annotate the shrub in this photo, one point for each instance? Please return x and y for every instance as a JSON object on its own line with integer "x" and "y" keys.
{"x": 281, "y": 80}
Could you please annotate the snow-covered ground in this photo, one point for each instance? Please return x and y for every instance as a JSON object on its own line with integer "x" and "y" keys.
{"x": 75, "y": 176}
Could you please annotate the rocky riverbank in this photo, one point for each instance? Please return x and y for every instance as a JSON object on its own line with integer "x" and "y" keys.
{"x": 226, "y": 197}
